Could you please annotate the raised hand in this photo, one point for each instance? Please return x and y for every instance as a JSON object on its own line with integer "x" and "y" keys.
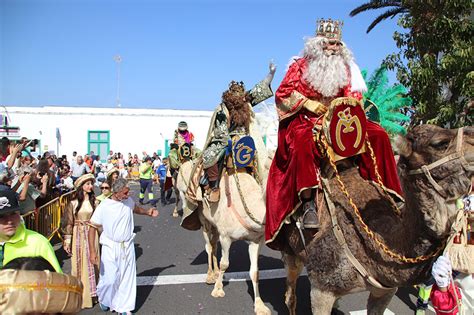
{"x": 272, "y": 67}
{"x": 271, "y": 73}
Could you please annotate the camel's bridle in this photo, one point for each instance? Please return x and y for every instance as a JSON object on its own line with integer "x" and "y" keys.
{"x": 458, "y": 155}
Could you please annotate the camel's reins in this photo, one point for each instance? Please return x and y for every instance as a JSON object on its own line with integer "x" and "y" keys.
{"x": 458, "y": 155}
{"x": 368, "y": 231}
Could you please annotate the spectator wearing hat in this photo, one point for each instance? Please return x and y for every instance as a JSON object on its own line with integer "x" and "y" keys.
{"x": 15, "y": 239}
{"x": 75, "y": 229}
{"x": 182, "y": 135}
{"x": 112, "y": 175}
{"x": 146, "y": 180}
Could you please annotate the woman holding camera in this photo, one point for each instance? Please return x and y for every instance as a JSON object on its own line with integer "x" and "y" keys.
{"x": 75, "y": 234}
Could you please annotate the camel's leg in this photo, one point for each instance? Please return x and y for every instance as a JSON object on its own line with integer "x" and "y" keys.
{"x": 224, "y": 264}
{"x": 379, "y": 300}
{"x": 294, "y": 267}
{"x": 177, "y": 194}
{"x": 206, "y": 231}
{"x": 259, "y": 306}
{"x": 321, "y": 301}
{"x": 215, "y": 264}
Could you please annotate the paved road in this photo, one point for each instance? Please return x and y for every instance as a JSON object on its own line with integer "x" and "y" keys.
{"x": 165, "y": 252}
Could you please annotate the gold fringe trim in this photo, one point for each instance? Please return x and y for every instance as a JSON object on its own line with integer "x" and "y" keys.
{"x": 346, "y": 100}
{"x": 41, "y": 286}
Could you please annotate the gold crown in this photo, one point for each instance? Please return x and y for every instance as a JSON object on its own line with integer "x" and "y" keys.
{"x": 331, "y": 29}
{"x": 236, "y": 87}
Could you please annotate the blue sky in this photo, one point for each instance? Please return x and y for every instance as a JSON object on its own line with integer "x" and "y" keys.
{"x": 176, "y": 54}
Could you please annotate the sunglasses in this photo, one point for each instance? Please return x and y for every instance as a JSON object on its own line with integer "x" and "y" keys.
{"x": 104, "y": 187}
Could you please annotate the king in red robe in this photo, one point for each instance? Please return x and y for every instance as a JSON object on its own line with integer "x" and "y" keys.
{"x": 325, "y": 72}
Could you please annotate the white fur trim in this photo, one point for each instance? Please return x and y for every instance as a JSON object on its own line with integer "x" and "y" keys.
{"x": 292, "y": 61}
{"x": 357, "y": 81}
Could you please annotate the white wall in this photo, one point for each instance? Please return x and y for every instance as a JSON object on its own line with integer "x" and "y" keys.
{"x": 131, "y": 130}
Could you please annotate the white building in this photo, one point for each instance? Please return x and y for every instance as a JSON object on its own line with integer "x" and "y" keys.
{"x": 62, "y": 130}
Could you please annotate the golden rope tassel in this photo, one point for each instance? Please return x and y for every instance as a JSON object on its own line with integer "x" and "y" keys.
{"x": 379, "y": 178}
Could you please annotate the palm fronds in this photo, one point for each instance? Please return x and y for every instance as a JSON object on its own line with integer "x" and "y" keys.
{"x": 398, "y": 7}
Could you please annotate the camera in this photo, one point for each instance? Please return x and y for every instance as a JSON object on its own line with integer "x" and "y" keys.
{"x": 32, "y": 143}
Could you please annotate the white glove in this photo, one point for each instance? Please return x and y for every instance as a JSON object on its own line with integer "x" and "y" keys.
{"x": 441, "y": 271}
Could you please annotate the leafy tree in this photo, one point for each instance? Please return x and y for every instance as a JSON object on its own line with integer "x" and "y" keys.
{"x": 397, "y": 7}
{"x": 436, "y": 59}
{"x": 384, "y": 103}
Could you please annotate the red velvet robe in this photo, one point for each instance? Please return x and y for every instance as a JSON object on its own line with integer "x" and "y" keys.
{"x": 295, "y": 166}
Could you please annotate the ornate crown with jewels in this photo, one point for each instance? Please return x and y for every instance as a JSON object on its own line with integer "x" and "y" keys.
{"x": 331, "y": 29}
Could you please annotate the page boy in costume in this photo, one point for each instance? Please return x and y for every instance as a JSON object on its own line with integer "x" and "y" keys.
{"x": 182, "y": 135}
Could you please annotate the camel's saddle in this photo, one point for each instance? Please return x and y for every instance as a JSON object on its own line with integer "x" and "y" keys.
{"x": 343, "y": 135}
{"x": 344, "y": 128}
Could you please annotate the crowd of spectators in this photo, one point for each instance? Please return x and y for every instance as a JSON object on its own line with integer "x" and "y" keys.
{"x": 38, "y": 179}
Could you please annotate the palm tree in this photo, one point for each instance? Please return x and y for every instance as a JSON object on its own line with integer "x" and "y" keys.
{"x": 397, "y": 7}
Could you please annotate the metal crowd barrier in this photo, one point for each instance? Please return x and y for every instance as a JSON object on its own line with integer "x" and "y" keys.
{"x": 46, "y": 219}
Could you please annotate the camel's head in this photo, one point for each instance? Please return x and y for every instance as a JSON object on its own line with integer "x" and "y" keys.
{"x": 437, "y": 164}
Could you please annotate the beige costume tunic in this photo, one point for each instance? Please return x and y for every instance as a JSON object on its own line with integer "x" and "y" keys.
{"x": 76, "y": 227}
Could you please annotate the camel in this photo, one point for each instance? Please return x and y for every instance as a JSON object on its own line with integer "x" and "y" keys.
{"x": 228, "y": 221}
{"x": 209, "y": 232}
{"x": 419, "y": 232}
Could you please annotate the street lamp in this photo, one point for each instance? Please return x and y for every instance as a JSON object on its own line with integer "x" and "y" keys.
{"x": 118, "y": 60}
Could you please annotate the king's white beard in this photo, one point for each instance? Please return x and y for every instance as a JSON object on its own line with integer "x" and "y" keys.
{"x": 326, "y": 74}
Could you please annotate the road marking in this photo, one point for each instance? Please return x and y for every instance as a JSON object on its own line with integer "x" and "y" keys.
{"x": 201, "y": 278}
{"x": 364, "y": 312}
{"x": 228, "y": 277}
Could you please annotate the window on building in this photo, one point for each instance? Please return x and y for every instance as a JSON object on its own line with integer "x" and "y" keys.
{"x": 99, "y": 142}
